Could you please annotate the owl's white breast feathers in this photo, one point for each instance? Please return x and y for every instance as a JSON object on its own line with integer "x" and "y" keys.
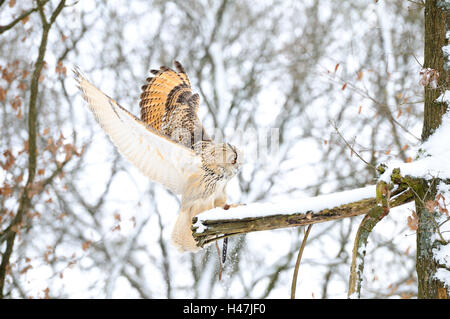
{"x": 155, "y": 155}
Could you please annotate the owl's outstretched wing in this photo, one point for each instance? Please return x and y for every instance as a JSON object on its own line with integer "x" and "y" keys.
{"x": 167, "y": 103}
{"x": 154, "y": 154}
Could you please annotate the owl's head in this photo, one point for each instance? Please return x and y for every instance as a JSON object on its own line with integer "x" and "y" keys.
{"x": 222, "y": 158}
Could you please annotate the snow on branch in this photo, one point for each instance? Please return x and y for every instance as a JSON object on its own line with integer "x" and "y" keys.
{"x": 219, "y": 223}
{"x": 433, "y": 160}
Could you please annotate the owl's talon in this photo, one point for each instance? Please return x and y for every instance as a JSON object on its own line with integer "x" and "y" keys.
{"x": 228, "y": 206}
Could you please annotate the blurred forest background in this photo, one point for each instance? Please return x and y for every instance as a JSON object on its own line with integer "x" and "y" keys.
{"x": 324, "y": 73}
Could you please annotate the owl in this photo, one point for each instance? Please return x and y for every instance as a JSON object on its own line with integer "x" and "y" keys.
{"x": 168, "y": 144}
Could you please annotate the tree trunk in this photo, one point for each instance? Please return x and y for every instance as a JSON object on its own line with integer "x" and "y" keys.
{"x": 436, "y": 24}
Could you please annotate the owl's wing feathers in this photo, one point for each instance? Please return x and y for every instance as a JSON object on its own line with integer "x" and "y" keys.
{"x": 164, "y": 94}
{"x": 154, "y": 154}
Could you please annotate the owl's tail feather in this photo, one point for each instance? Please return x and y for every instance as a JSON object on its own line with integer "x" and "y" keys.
{"x": 182, "y": 234}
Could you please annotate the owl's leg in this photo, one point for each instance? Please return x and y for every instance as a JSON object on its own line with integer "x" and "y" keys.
{"x": 225, "y": 240}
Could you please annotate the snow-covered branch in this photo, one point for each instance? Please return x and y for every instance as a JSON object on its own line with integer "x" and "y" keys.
{"x": 218, "y": 223}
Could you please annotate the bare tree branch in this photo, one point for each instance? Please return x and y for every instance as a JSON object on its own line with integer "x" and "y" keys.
{"x": 22, "y": 16}
{"x": 368, "y": 223}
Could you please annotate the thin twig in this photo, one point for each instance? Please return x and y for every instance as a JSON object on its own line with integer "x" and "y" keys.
{"x": 333, "y": 123}
{"x": 366, "y": 94}
{"x": 297, "y": 264}
{"x": 25, "y": 14}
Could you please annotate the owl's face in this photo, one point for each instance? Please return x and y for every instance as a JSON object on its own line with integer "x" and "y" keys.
{"x": 223, "y": 157}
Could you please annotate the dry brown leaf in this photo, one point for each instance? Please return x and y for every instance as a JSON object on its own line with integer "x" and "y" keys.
{"x": 46, "y": 293}
{"x": 68, "y": 149}
{"x": 408, "y": 109}
{"x": 429, "y": 77}
{"x": 336, "y": 68}
{"x": 16, "y": 103}
{"x": 86, "y": 245}
{"x": 442, "y": 207}
{"x": 407, "y": 250}
{"x": 26, "y": 19}
{"x": 25, "y": 74}
{"x": 60, "y": 68}
{"x": 359, "y": 75}
{"x": 25, "y": 269}
{"x": 61, "y": 216}
{"x": 3, "y": 93}
{"x": 19, "y": 114}
{"x": 18, "y": 179}
{"x": 413, "y": 221}
{"x": 6, "y": 190}
{"x": 25, "y": 147}
{"x": 7, "y": 76}
{"x": 10, "y": 160}
{"x": 22, "y": 86}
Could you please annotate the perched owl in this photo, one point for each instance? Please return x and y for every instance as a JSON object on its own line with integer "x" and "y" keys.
{"x": 169, "y": 144}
